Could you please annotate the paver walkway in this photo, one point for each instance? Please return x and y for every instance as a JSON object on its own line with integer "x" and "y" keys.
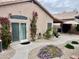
{"x": 23, "y": 50}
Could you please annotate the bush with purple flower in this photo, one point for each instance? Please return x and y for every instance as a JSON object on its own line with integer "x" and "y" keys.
{"x": 49, "y": 52}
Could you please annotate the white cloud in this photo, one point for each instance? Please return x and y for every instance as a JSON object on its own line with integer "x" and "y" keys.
{"x": 60, "y": 5}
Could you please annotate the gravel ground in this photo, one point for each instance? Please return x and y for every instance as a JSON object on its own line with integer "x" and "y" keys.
{"x": 7, "y": 54}
{"x": 66, "y": 52}
{"x": 22, "y": 51}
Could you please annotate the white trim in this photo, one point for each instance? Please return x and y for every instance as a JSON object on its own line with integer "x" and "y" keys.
{"x": 71, "y": 22}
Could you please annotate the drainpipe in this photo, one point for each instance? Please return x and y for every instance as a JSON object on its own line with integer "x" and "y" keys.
{"x": 0, "y": 39}
{"x": 0, "y": 45}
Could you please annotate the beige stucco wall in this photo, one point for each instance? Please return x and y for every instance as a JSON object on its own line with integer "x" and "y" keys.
{"x": 26, "y": 9}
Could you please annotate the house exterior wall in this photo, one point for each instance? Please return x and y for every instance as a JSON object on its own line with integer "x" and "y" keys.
{"x": 26, "y": 9}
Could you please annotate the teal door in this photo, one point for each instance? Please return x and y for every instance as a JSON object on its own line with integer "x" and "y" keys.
{"x": 15, "y": 31}
{"x": 22, "y": 31}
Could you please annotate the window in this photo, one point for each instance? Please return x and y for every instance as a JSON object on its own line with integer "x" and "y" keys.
{"x": 49, "y": 25}
{"x": 18, "y": 17}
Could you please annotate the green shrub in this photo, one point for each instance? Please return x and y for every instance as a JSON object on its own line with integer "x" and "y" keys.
{"x": 48, "y": 33}
{"x": 5, "y": 36}
{"x": 77, "y": 28}
{"x": 55, "y": 33}
{"x": 69, "y": 46}
{"x": 74, "y": 42}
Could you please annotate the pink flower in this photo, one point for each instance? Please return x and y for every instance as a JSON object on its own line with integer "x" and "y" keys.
{"x": 35, "y": 13}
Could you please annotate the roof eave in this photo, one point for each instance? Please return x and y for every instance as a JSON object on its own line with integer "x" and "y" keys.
{"x": 12, "y": 2}
{"x": 34, "y": 1}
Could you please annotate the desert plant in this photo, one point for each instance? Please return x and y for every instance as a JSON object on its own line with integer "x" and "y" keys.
{"x": 55, "y": 33}
{"x": 74, "y": 42}
{"x": 33, "y": 27}
{"x": 48, "y": 33}
{"x": 69, "y": 46}
{"x": 5, "y": 36}
{"x": 5, "y": 32}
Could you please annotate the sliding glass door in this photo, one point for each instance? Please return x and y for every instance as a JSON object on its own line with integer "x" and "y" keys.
{"x": 19, "y": 31}
{"x": 15, "y": 31}
{"x": 22, "y": 31}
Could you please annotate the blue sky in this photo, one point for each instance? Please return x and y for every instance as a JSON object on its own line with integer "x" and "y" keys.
{"x": 57, "y": 6}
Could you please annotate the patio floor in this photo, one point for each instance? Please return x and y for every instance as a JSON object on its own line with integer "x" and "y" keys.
{"x": 23, "y": 50}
